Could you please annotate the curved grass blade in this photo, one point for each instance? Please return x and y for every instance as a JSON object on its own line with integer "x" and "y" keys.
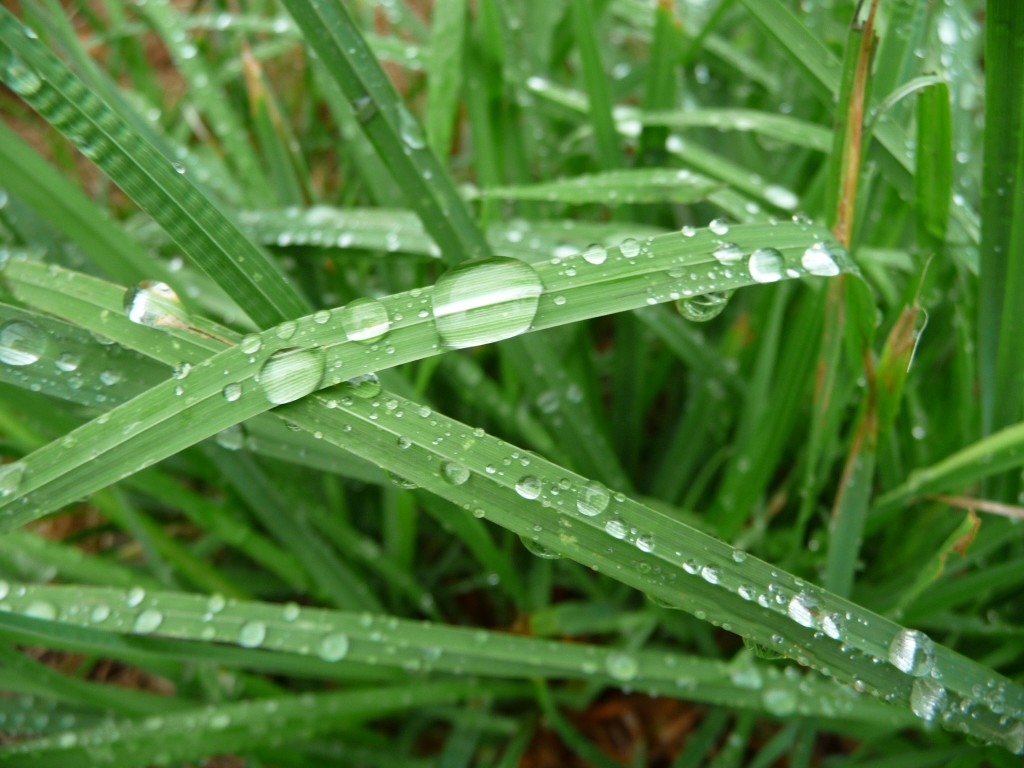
{"x": 202, "y": 231}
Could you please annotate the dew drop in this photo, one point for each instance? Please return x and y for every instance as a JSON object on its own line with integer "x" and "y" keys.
{"x": 21, "y": 343}
{"x": 629, "y": 248}
{"x": 22, "y": 80}
{"x": 454, "y": 473}
{"x": 39, "y": 609}
{"x": 592, "y": 499}
{"x": 232, "y": 392}
{"x": 289, "y": 374}
{"x": 926, "y": 697}
{"x": 621, "y": 666}
{"x": 365, "y": 386}
{"x": 68, "y": 362}
{"x": 290, "y": 612}
{"x": 688, "y": 231}
{"x": 912, "y": 652}
{"x": 615, "y": 528}
{"x": 252, "y": 634}
{"x": 286, "y": 330}
{"x": 333, "y": 647}
{"x": 110, "y": 377}
{"x": 409, "y": 129}
{"x": 719, "y": 226}
{"x": 538, "y": 549}
{"x": 779, "y": 701}
{"x": 148, "y": 621}
{"x": 728, "y": 253}
{"x": 781, "y": 197}
{"x": 232, "y": 438}
{"x": 645, "y": 543}
{"x": 818, "y": 260}
{"x": 485, "y": 301}
{"x": 705, "y": 307}
{"x": 529, "y": 487}
{"x": 99, "y": 614}
{"x": 250, "y": 343}
{"x": 155, "y": 305}
{"x": 10, "y": 477}
{"x": 709, "y": 574}
{"x": 365, "y": 320}
{"x": 135, "y": 596}
{"x": 766, "y": 265}
{"x": 802, "y": 609}
{"x": 595, "y": 254}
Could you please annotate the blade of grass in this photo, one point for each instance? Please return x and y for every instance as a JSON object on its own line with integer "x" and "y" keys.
{"x": 609, "y": 151}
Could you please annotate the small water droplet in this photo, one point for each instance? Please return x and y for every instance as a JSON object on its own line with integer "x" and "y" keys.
{"x": 629, "y": 248}
{"x": 802, "y": 609}
{"x": 645, "y": 543}
{"x": 135, "y": 597}
{"x": 818, "y": 260}
{"x": 615, "y": 528}
{"x": 10, "y": 477}
{"x": 912, "y": 652}
{"x": 719, "y": 226}
{"x": 22, "y": 80}
{"x": 286, "y": 329}
{"x": 68, "y": 362}
{"x": 109, "y": 377}
{"x": 252, "y": 634}
{"x": 366, "y": 386}
{"x": 781, "y": 197}
{"x": 595, "y": 253}
{"x": 232, "y": 392}
{"x": 529, "y": 487}
{"x": 148, "y": 621}
{"x": 485, "y": 301}
{"x": 250, "y": 343}
{"x": 99, "y": 614}
{"x": 538, "y": 549}
{"x": 409, "y": 129}
{"x": 766, "y": 265}
{"x": 21, "y": 343}
{"x": 365, "y": 320}
{"x": 289, "y": 374}
{"x": 705, "y": 307}
{"x": 290, "y": 612}
{"x": 155, "y": 305}
{"x": 709, "y": 574}
{"x": 333, "y": 647}
{"x": 232, "y": 438}
{"x": 728, "y": 253}
{"x": 779, "y": 701}
{"x": 454, "y": 473}
{"x": 592, "y": 499}
{"x": 621, "y": 666}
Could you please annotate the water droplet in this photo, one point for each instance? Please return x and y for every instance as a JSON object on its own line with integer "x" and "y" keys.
{"x": 333, "y": 647}
{"x": 912, "y": 652}
{"x": 216, "y": 603}
{"x": 926, "y": 697}
{"x": 719, "y": 226}
{"x": 38, "y": 609}
{"x": 232, "y": 438}
{"x": 156, "y": 305}
{"x": 454, "y": 473}
{"x": 22, "y": 80}
{"x": 99, "y": 614}
{"x": 365, "y": 320}
{"x": 409, "y": 129}
{"x": 10, "y": 477}
{"x": 286, "y": 329}
{"x": 148, "y": 621}
{"x": 290, "y": 612}
{"x": 529, "y": 487}
{"x": 629, "y": 248}
{"x": 595, "y": 254}
{"x": 709, "y": 574}
{"x": 21, "y": 343}
{"x": 592, "y": 499}
{"x": 818, "y": 260}
{"x": 688, "y": 231}
{"x": 802, "y": 609}
{"x": 365, "y": 386}
{"x": 645, "y": 543}
{"x": 232, "y": 392}
{"x": 766, "y": 265}
{"x": 615, "y": 528}
{"x": 109, "y": 377}
{"x": 728, "y": 253}
{"x": 252, "y": 634}
{"x": 705, "y": 307}
{"x": 135, "y": 596}
{"x": 539, "y": 549}
{"x": 250, "y": 343}
{"x": 485, "y": 301}
{"x": 779, "y": 701}
{"x": 621, "y": 666}
{"x": 833, "y": 624}
{"x": 68, "y": 362}
{"x": 181, "y": 371}
{"x": 781, "y": 197}
{"x": 289, "y": 374}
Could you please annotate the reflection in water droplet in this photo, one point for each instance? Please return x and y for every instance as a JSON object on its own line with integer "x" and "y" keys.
{"x": 621, "y": 666}
{"x": 10, "y": 477}
{"x": 818, "y": 260}
{"x": 252, "y": 634}
{"x": 529, "y": 487}
{"x": 156, "y": 305}
{"x": 148, "y": 621}
{"x": 592, "y": 499}
{"x": 802, "y": 609}
{"x": 485, "y": 301}
{"x": 333, "y": 647}
{"x": 615, "y": 528}
{"x": 454, "y": 473}
{"x": 705, "y": 307}
{"x": 912, "y": 652}
{"x": 766, "y": 265}
{"x": 21, "y": 343}
{"x": 365, "y": 320}
{"x": 289, "y": 374}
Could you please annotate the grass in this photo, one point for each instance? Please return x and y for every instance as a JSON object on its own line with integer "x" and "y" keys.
{"x": 591, "y": 383}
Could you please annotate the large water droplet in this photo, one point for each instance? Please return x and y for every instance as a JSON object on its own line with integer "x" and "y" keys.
{"x": 912, "y": 652}
{"x": 595, "y": 254}
{"x": 10, "y": 477}
{"x": 728, "y": 253}
{"x": 766, "y": 265}
{"x": 333, "y": 647}
{"x": 289, "y": 374}
{"x": 232, "y": 438}
{"x": 365, "y": 320}
{"x": 529, "y": 487}
{"x": 818, "y": 260}
{"x": 454, "y": 473}
{"x": 485, "y": 301}
{"x": 21, "y": 343}
{"x": 252, "y": 634}
{"x": 621, "y": 666}
{"x": 592, "y": 499}
{"x": 707, "y": 306}
{"x": 148, "y": 621}
{"x": 802, "y": 609}
{"x": 39, "y": 609}
{"x": 156, "y": 305}
{"x": 926, "y": 697}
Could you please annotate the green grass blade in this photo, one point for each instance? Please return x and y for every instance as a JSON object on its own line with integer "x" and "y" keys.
{"x": 447, "y": 31}
{"x": 612, "y": 188}
{"x": 585, "y": 27}
{"x": 933, "y": 176}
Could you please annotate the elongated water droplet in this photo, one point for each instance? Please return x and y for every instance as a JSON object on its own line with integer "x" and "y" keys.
{"x": 289, "y": 374}
{"x": 781, "y": 197}
{"x": 912, "y": 652}
{"x": 454, "y": 473}
{"x": 21, "y": 343}
{"x": 333, "y": 647}
{"x": 538, "y": 549}
{"x": 766, "y": 265}
{"x": 252, "y": 634}
{"x": 10, "y": 477}
{"x": 621, "y": 666}
{"x": 39, "y": 609}
{"x": 707, "y": 306}
{"x": 529, "y": 487}
{"x": 926, "y": 697}
{"x": 148, "y": 621}
{"x": 595, "y": 254}
{"x": 365, "y": 320}
{"x": 818, "y": 260}
{"x": 156, "y": 305}
{"x": 485, "y": 301}
{"x": 592, "y": 499}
